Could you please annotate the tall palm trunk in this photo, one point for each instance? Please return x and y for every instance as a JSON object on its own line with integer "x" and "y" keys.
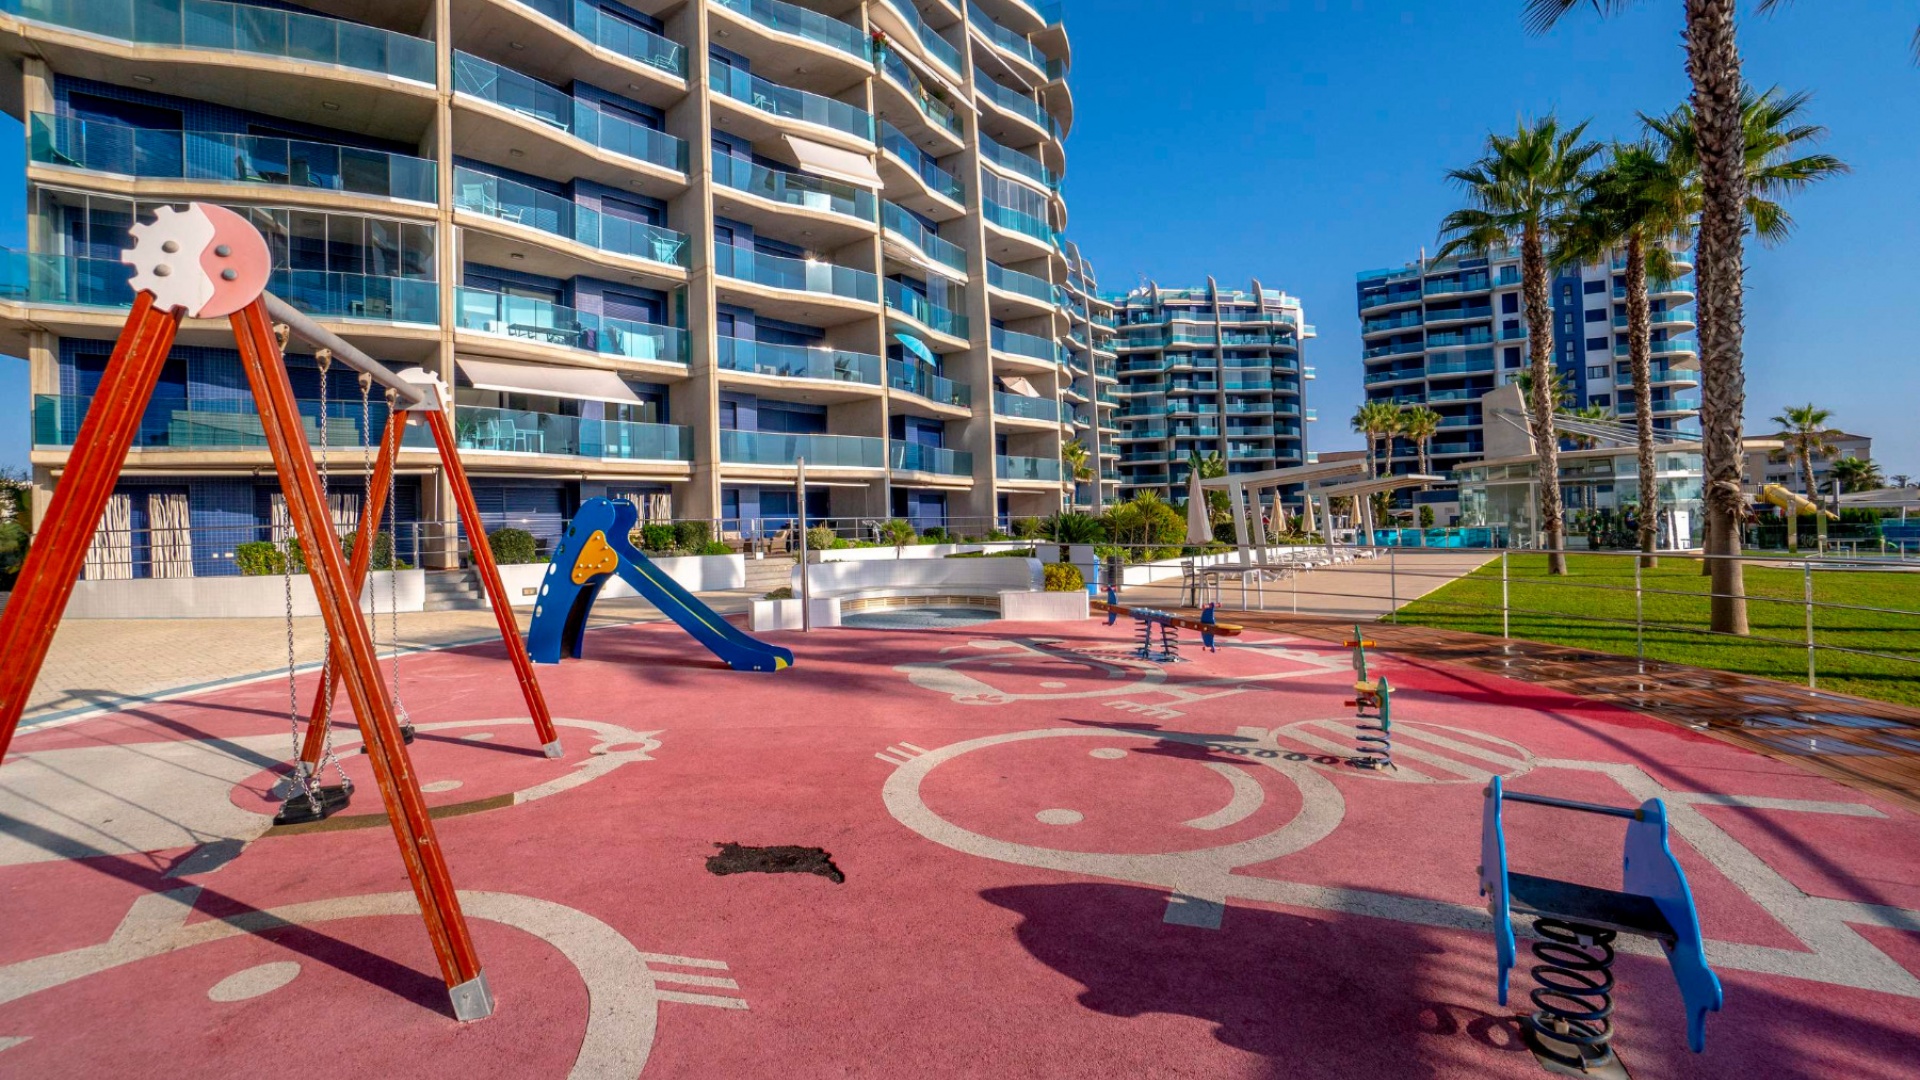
{"x": 1806, "y": 472}
{"x": 1713, "y": 63}
{"x": 1420, "y": 448}
{"x": 1639, "y": 349}
{"x": 1533, "y": 272}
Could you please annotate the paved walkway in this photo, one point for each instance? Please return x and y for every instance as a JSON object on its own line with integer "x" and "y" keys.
{"x": 98, "y": 663}
{"x": 1366, "y": 589}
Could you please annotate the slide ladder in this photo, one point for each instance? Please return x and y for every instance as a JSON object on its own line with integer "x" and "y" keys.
{"x": 595, "y": 548}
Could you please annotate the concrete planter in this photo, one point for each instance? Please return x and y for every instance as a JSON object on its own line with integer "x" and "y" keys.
{"x": 1043, "y": 606}
{"x": 230, "y": 597}
{"x": 785, "y": 614}
{"x": 696, "y": 573}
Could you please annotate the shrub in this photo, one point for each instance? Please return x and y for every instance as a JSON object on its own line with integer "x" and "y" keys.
{"x": 259, "y": 558}
{"x": 512, "y": 547}
{"x": 657, "y": 536}
{"x": 692, "y": 535}
{"x": 1064, "y": 577}
{"x": 382, "y": 551}
{"x": 1076, "y": 528}
{"x": 784, "y": 592}
{"x": 997, "y": 535}
{"x": 821, "y": 538}
{"x": 1029, "y": 528}
{"x": 898, "y": 533}
{"x": 715, "y": 547}
{"x": 1147, "y": 527}
{"x": 13, "y": 549}
{"x": 1426, "y": 517}
{"x": 934, "y": 535}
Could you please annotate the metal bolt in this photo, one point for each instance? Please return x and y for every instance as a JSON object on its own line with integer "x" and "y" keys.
{"x": 223, "y": 251}
{"x": 229, "y": 274}
{"x": 162, "y": 270}
{"x": 170, "y": 246}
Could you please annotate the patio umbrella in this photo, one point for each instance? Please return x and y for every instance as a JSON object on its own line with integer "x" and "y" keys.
{"x": 1306, "y": 519}
{"x": 918, "y": 348}
{"x": 1199, "y": 530}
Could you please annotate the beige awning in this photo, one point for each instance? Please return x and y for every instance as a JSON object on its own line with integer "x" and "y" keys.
{"x": 834, "y": 163}
{"x": 1020, "y": 386}
{"x": 580, "y": 384}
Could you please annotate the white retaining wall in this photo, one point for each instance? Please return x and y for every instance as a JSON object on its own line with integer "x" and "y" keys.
{"x": 695, "y": 573}
{"x": 986, "y": 577}
{"x": 230, "y": 597}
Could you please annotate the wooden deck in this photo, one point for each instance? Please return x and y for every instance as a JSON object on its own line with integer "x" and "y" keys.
{"x": 1870, "y": 745}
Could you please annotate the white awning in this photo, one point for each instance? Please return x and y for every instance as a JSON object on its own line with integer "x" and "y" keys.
{"x": 1020, "y": 386}
{"x": 580, "y": 384}
{"x": 834, "y": 163}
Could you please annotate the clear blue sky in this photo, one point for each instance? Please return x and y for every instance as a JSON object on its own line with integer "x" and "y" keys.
{"x": 1301, "y": 141}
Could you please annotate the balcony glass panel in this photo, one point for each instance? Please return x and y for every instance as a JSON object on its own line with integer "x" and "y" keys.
{"x": 909, "y": 228}
{"x": 1015, "y": 161}
{"x": 800, "y": 22}
{"x": 940, "y": 180}
{"x": 215, "y": 424}
{"x": 937, "y": 47}
{"x": 780, "y": 272}
{"x": 822, "y": 451}
{"x": 794, "y": 189}
{"x": 62, "y": 279}
{"x": 1005, "y": 39}
{"x": 204, "y": 155}
{"x": 797, "y": 362}
{"x": 212, "y": 24}
{"x": 520, "y": 431}
{"x": 1675, "y": 344}
{"x": 552, "y": 324}
{"x": 916, "y": 379}
{"x": 931, "y": 104}
{"x": 1040, "y": 348}
{"x": 1026, "y": 224}
{"x": 1010, "y": 467}
{"x": 913, "y": 457}
{"x": 785, "y": 101}
{"x": 1026, "y": 408}
{"x": 925, "y": 312}
{"x": 1012, "y": 101}
{"x": 511, "y": 90}
{"x": 510, "y": 200}
{"x": 1014, "y": 281}
{"x": 617, "y": 35}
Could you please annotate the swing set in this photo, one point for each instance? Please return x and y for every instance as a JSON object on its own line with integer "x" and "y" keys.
{"x": 207, "y": 262}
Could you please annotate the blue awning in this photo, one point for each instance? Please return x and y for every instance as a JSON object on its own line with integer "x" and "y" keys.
{"x": 918, "y": 348}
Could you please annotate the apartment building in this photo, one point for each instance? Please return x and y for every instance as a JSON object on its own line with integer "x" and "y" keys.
{"x": 1767, "y": 464}
{"x": 660, "y": 249}
{"x": 1208, "y": 371}
{"x": 1442, "y": 334}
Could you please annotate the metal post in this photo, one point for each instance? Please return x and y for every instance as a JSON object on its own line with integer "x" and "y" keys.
{"x": 1813, "y": 680}
{"x": 1393, "y": 582}
{"x": 1506, "y": 631}
{"x": 1639, "y": 607}
{"x": 806, "y": 592}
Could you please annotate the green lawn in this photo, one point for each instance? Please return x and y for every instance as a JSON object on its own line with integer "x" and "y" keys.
{"x": 1561, "y": 611}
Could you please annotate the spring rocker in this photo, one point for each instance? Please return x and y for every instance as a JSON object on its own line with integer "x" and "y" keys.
{"x": 1169, "y": 625}
{"x": 207, "y": 262}
{"x": 1571, "y": 1028}
{"x": 1376, "y": 739}
{"x": 1366, "y": 691}
{"x": 596, "y": 548}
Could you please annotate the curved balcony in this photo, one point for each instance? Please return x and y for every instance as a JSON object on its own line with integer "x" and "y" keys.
{"x": 316, "y": 69}
{"x": 1015, "y": 294}
{"x": 528, "y": 328}
{"x": 1013, "y": 236}
{"x": 202, "y": 158}
{"x": 906, "y": 101}
{"x": 1010, "y": 44}
{"x": 486, "y": 430}
{"x": 1017, "y": 164}
{"x": 1031, "y": 412}
{"x": 570, "y": 39}
{"x": 769, "y": 361}
{"x": 792, "y": 206}
{"x": 509, "y": 223}
{"x": 70, "y": 281}
{"x": 925, "y": 246}
{"x": 814, "y": 293}
{"x": 915, "y": 379}
{"x": 907, "y": 304}
{"x": 204, "y": 425}
{"x": 935, "y": 460}
{"x": 904, "y": 163}
{"x": 797, "y": 44}
{"x": 1676, "y": 347}
{"x": 900, "y": 20}
{"x": 1020, "y": 118}
{"x": 779, "y": 450}
{"x": 1027, "y": 349}
{"x": 750, "y": 107}
{"x": 1380, "y": 301}
{"x": 510, "y": 119}
{"x": 1675, "y": 317}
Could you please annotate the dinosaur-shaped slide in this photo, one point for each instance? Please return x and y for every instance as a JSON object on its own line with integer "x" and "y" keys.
{"x": 596, "y": 548}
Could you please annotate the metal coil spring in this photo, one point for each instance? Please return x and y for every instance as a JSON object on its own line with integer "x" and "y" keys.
{"x": 1169, "y": 641}
{"x": 1574, "y": 999}
{"x": 1376, "y": 751}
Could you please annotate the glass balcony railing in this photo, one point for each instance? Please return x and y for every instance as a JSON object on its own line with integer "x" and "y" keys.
{"x": 913, "y": 457}
{"x": 1031, "y": 345}
{"x": 937, "y": 47}
{"x": 1658, "y": 318}
{"x": 511, "y": 90}
{"x": 1658, "y": 373}
{"x": 780, "y": 272}
{"x": 1395, "y": 375}
{"x": 1671, "y": 345}
{"x": 174, "y": 422}
{"x": 797, "y": 362}
{"x": 519, "y": 431}
{"x": 1010, "y": 467}
{"x": 1479, "y": 283}
{"x": 1021, "y": 407}
{"x": 908, "y": 228}
{"x": 552, "y": 324}
{"x": 916, "y": 379}
{"x": 635, "y": 42}
{"x": 1458, "y": 365}
{"x": 66, "y": 280}
{"x": 1028, "y": 285}
{"x": 791, "y": 188}
{"x": 1434, "y": 316}
{"x": 1016, "y": 103}
{"x": 820, "y": 451}
{"x": 1006, "y": 40}
{"x": 923, "y": 311}
{"x": 1025, "y": 224}
{"x": 1015, "y": 161}
{"x": 1382, "y": 299}
{"x": 931, "y": 105}
{"x": 802, "y": 23}
{"x": 940, "y": 180}
{"x": 1476, "y": 337}
{"x": 1393, "y": 348}
{"x": 241, "y": 28}
{"x": 512, "y": 201}
{"x": 153, "y": 153}
{"x": 788, "y": 103}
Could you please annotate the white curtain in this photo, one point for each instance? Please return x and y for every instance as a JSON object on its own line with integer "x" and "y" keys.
{"x": 282, "y": 521}
{"x": 110, "y": 557}
{"x": 345, "y": 507}
{"x": 171, "y": 545}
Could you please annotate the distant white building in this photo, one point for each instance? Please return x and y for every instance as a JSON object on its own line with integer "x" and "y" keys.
{"x": 1762, "y": 468}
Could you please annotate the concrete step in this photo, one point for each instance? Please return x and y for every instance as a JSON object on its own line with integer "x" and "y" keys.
{"x": 453, "y": 590}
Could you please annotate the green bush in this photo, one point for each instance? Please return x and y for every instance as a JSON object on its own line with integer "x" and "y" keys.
{"x": 1075, "y": 528}
{"x": 996, "y": 535}
{"x": 1147, "y": 527}
{"x": 512, "y": 547}
{"x": 1426, "y": 517}
{"x": 821, "y": 538}
{"x": 1064, "y": 577}
{"x": 13, "y": 549}
{"x": 259, "y": 558}
{"x": 784, "y": 592}
{"x": 692, "y": 535}
{"x": 656, "y": 537}
{"x": 382, "y": 551}
{"x": 715, "y": 547}
{"x": 934, "y": 535}
{"x": 1030, "y": 528}
{"x": 897, "y": 533}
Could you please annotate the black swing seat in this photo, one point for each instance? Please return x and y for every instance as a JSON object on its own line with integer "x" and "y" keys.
{"x": 299, "y": 810}
{"x": 1626, "y": 913}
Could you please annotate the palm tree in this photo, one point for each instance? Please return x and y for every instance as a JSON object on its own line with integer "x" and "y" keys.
{"x": 1591, "y": 414}
{"x": 1856, "y": 474}
{"x": 1377, "y": 420}
{"x": 1901, "y": 480}
{"x": 1076, "y": 466}
{"x": 1418, "y": 425}
{"x": 1804, "y": 431}
{"x": 1523, "y": 189}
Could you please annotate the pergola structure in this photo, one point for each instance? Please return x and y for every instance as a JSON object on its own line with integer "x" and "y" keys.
{"x": 1363, "y": 491}
{"x": 1318, "y": 482}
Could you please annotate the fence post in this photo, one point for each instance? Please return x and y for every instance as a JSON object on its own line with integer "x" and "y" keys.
{"x": 1506, "y": 630}
{"x": 1813, "y": 680}
{"x": 1639, "y": 618}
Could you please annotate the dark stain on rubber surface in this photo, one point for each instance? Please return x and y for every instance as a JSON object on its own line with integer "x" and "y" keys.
{"x": 740, "y": 859}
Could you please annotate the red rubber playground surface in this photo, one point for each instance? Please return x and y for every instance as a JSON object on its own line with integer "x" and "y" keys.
{"x": 1059, "y": 861}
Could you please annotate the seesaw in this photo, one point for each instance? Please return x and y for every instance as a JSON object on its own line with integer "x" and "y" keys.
{"x": 1148, "y": 619}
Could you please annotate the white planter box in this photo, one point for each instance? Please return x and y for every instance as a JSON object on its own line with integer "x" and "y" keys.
{"x": 230, "y": 597}
{"x": 987, "y": 577}
{"x": 695, "y": 573}
{"x": 785, "y": 614}
{"x": 1043, "y": 606}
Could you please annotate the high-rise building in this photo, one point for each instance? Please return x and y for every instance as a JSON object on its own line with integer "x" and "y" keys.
{"x": 1442, "y": 334}
{"x": 661, "y": 249}
{"x": 1209, "y": 371}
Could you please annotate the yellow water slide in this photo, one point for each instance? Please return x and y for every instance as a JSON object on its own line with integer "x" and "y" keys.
{"x": 1778, "y": 495}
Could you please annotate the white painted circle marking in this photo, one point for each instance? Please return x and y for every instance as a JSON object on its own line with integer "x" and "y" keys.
{"x": 1108, "y": 753}
{"x": 1060, "y": 817}
{"x": 440, "y": 785}
{"x": 1053, "y": 686}
{"x": 254, "y": 981}
{"x": 478, "y": 736}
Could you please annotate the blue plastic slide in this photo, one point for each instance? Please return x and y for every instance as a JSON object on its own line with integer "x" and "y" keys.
{"x": 595, "y": 548}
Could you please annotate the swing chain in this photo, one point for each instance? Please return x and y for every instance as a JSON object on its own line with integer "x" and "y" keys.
{"x": 301, "y": 775}
{"x": 323, "y": 359}
{"x": 393, "y": 607}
